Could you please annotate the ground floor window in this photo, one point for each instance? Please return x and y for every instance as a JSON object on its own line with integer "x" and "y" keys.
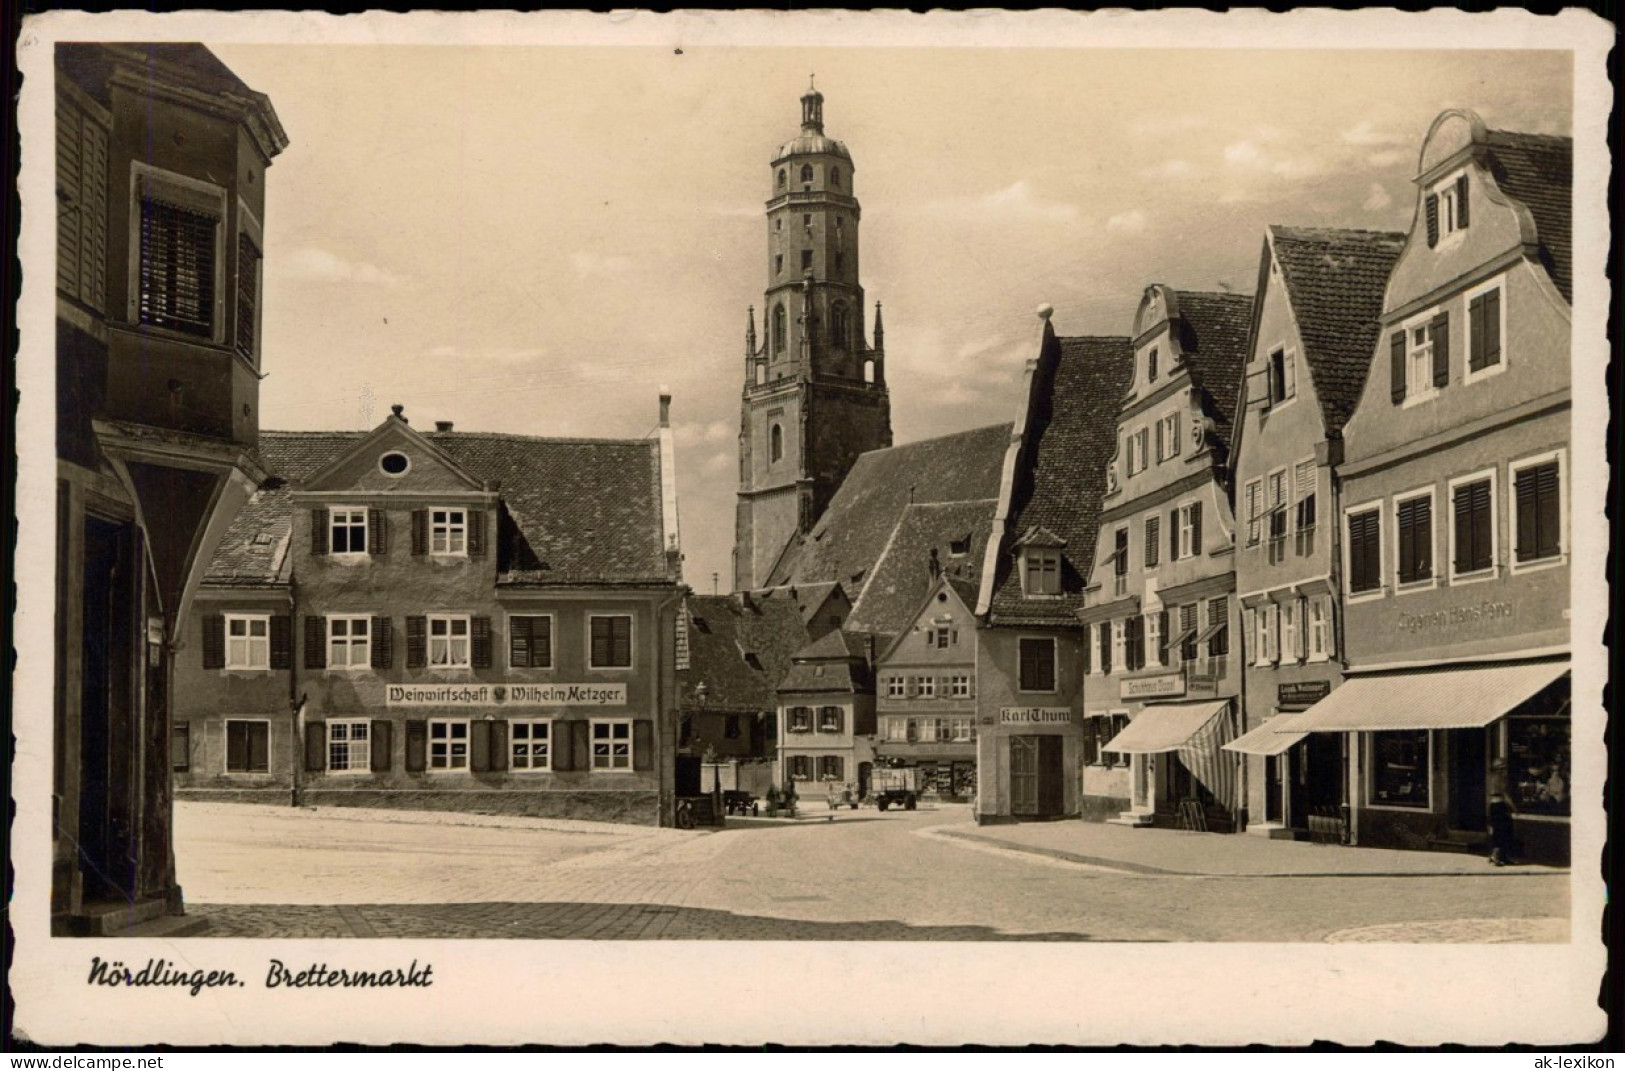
{"x": 448, "y": 745}
{"x": 1399, "y": 768}
{"x": 801, "y": 767}
{"x": 1537, "y": 751}
{"x": 528, "y": 744}
{"x": 248, "y": 746}
{"x": 348, "y": 746}
{"x": 180, "y": 746}
{"x": 612, "y": 745}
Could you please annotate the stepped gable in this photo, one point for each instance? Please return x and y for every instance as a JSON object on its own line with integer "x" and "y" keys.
{"x": 574, "y": 510}
{"x": 740, "y": 649}
{"x": 1538, "y": 170}
{"x": 852, "y": 535}
{"x": 1336, "y": 281}
{"x": 1061, "y": 475}
{"x": 902, "y": 580}
{"x": 1213, "y": 339}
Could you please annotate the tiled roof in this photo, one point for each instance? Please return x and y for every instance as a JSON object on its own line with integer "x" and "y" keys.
{"x": 1214, "y": 342}
{"x": 574, "y": 510}
{"x": 1538, "y": 170}
{"x": 902, "y": 579}
{"x": 834, "y": 663}
{"x": 740, "y": 651}
{"x": 1078, "y": 390}
{"x": 849, "y": 539}
{"x": 1336, "y": 280}
{"x": 807, "y": 598}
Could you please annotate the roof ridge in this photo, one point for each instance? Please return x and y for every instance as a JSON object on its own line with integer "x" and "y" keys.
{"x": 1555, "y": 139}
{"x": 1363, "y": 232}
{"x": 468, "y": 436}
{"x": 938, "y": 438}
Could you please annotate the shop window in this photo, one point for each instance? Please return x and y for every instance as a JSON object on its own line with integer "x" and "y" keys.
{"x": 448, "y": 745}
{"x": 448, "y": 531}
{"x": 1400, "y": 768}
{"x": 349, "y": 642}
{"x": 1037, "y": 664}
{"x": 1414, "y": 538}
{"x": 248, "y": 641}
{"x": 349, "y": 746}
{"x": 611, "y": 641}
{"x": 1537, "y": 511}
{"x": 612, "y": 745}
{"x": 1365, "y": 551}
{"x": 530, "y": 745}
{"x": 248, "y": 746}
{"x": 530, "y": 641}
{"x": 1537, "y": 750}
{"x": 1472, "y": 533}
{"x": 448, "y": 641}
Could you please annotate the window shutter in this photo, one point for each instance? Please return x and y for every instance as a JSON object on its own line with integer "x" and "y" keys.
{"x": 1153, "y": 540}
{"x": 382, "y": 754}
{"x": 315, "y": 746}
{"x": 420, "y": 531}
{"x": 1273, "y": 651}
{"x": 1475, "y": 333}
{"x": 417, "y": 746}
{"x": 377, "y": 532}
{"x": 1396, "y": 366}
{"x": 479, "y": 746}
{"x": 643, "y": 744}
{"x": 1482, "y": 519}
{"x": 383, "y": 642}
{"x": 1173, "y": 535}
{"x": 1105, "y": 647}
{"x": 519, "y": 641}
{"x": 499, "y": 745}
{"x": 1173, "y": 446}
{"x": 1432, "y": 208}
{"x": 558, "y": 746}
{"x": 581, "y": 745}
{"x": 476, "y": 533}
{"x": 1249, "y": 627}
{"x": 1407, "y": 541}
{"x": 417, "y": 641}
{"x": 1492, "y": 328}
{"x": 1439, "y": 332}
{"x": 480, "y": 644}
{"x": 1160, "y": 446}
{"x": 600, "y": 641}
{"x": 281, "y": 641}
{"x": 1373, "y": 550}
{"x": 1548, "y": 512}
{"x": 318, "y": 530}
{"x": 1462, "y": 507}
{"x": 1162, "y": 635}
{"x": 315, "y": 642}
{"x": 1196, "y": 529}
{"x": 1422, "y": 538}
{"x": 1461, "y": 200}
{"x": 214, "y": 640}
{"x": 1290, "y": 374}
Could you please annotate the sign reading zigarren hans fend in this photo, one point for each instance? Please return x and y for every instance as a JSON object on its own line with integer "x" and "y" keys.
{"x": 1034, "y": 715}
{"x": 506, "y": 695}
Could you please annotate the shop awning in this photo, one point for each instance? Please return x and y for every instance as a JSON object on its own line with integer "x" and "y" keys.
{"x": 1457, "y": 698}
{"x": 1274, "y": 737}
{"x": 1165, "y": 727}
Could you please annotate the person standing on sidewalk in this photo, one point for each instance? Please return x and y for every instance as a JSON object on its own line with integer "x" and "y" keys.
{"x": 1500, "y": 830}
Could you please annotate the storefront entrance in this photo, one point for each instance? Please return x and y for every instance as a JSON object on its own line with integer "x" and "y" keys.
{"x": 1035, "y": 776}
{"x": 1469, "y": 772}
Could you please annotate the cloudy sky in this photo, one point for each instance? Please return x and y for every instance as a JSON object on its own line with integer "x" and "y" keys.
{"x": 535, "y": 239}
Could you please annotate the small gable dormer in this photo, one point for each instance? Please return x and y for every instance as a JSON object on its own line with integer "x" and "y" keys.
{"x": 1038, "y": 558}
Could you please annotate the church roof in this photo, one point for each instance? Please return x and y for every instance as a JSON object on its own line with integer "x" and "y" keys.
{"x": 811, "y": 145}
{"x": 901, "y": 579}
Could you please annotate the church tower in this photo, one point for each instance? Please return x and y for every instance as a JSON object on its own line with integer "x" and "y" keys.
{"x": 814, "y": 395}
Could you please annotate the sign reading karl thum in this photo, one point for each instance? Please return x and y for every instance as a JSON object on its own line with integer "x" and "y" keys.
{"x": 1034, "y": 715}
{"x": 509, "y": 695}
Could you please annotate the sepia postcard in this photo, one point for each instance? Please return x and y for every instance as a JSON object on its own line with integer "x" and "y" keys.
{"x": 812, "y": 529}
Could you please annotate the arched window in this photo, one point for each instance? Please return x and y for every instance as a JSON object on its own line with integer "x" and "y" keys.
{"x": 783, "y": 178}
{"x": 835, "y": 177}
{"x": 778, "y": 330}
{"x": 837, "y": 326}
{"x": 806, "y": 173}
{"x": 775, "y": 443}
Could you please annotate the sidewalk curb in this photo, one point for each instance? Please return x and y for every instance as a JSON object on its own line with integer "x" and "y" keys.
{"x": 1141, "y": 868}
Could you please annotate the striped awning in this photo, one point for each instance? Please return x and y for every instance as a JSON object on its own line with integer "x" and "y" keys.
{"x": 1462, "y": 697}
{"x": 1165, "y": 727}
{"x": 1274, "y": 737}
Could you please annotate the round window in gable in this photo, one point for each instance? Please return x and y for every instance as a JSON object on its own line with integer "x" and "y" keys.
{"x": 394, "y": 463}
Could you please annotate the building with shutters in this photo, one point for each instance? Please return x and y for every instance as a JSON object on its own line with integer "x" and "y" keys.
{"x": 1029, "y": 647}
{"x": 161, "y": 161}
{"x": 441, "y": 619}
{"x": 827, "y": 717}
{"x": 925, "y": 694}
{"x": 1163, "y": 674}
{"x": 1454, "y": 509}
{"x": 1314, "y": 327}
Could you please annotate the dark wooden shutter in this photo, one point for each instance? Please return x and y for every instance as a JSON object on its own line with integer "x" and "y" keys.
{"x": 519, "y": 641}
{"x": 1475, "y": 334}
{"x": 1431, "y": 205}
{"x": 315, "y": 642}
{"x": 1373, "y": 550}
{"x": 1548, "y": 512}
{"x": 581, "y": 745}
{"x": 318, "y": 530}
{"x": 1196, "y": 529}
{"x": 1490, "y": 353}
{"x": 1483, "y": 518}
{"x": 377, "y": 532}
{"x": 1159, "y": 441}
{"x": 622, "y": 631}
{"x": 541, "y": 642}
{"x": 476, "y": 533}
{"x": 214, "y": 641}
{"x": 315, "y": 745}
{"x": 383, "y": 642}
{"x": 281, "y": 642}
{"x": 1439, "y": 332}
{"x": 1407, "y": 543}
{"x": 1415, "y": 539}
{"x": 479, "y": 746}
{"x": 1105, "y": 646}
{"x": 1163, "y": 619}
{"x": 1173, "y": 446}
{"x": 1173, "y": 534}
{"x": 420, "y": 531}
{"x": 600, "y": 641}
{"x": 236, "y": 746}
{"x": 417, "y": 641}
{"x": 417, "y": 746}
{"x": 1396, "y": 366}
{"x": 480, "y": 644}
{"x": 1461, "y": 200}
{"x": 1153, "y": 540}
{"x": 382, "y": 753}
{"x": 643, "y": 744}
{"x": 499, "y": 745}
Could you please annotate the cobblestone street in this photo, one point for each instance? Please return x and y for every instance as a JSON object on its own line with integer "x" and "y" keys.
{"x": 924, "y": 875}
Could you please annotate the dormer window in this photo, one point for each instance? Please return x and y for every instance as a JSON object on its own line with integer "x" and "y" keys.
{"x": 1446, "y": 209}
{"x": 1040, "y": 571}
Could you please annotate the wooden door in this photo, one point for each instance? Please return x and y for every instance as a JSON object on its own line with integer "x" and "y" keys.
{"x": 1024, "y": 775}
{"x": 1051, "y": 777}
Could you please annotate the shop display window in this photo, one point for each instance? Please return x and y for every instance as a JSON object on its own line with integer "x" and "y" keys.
{"x": 1537, "y": 751}
{"x": 1399, "y": 768}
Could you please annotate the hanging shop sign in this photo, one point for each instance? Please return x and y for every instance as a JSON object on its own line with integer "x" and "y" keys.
{"x": 506, "y": 695}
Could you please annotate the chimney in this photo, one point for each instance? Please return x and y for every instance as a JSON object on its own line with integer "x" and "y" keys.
{"x": 665, "y": 408}
{"x": 746, "y": 603}
{"x": 400, "y": 411}
{"x": 442, "y": 425}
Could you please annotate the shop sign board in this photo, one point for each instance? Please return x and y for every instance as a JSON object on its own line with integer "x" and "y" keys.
{"x": 1035, "y": 715}
{"x": 1159, "y": 686}
{"x": 1302, "y": 693}
{"x": 505, "y": 695}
